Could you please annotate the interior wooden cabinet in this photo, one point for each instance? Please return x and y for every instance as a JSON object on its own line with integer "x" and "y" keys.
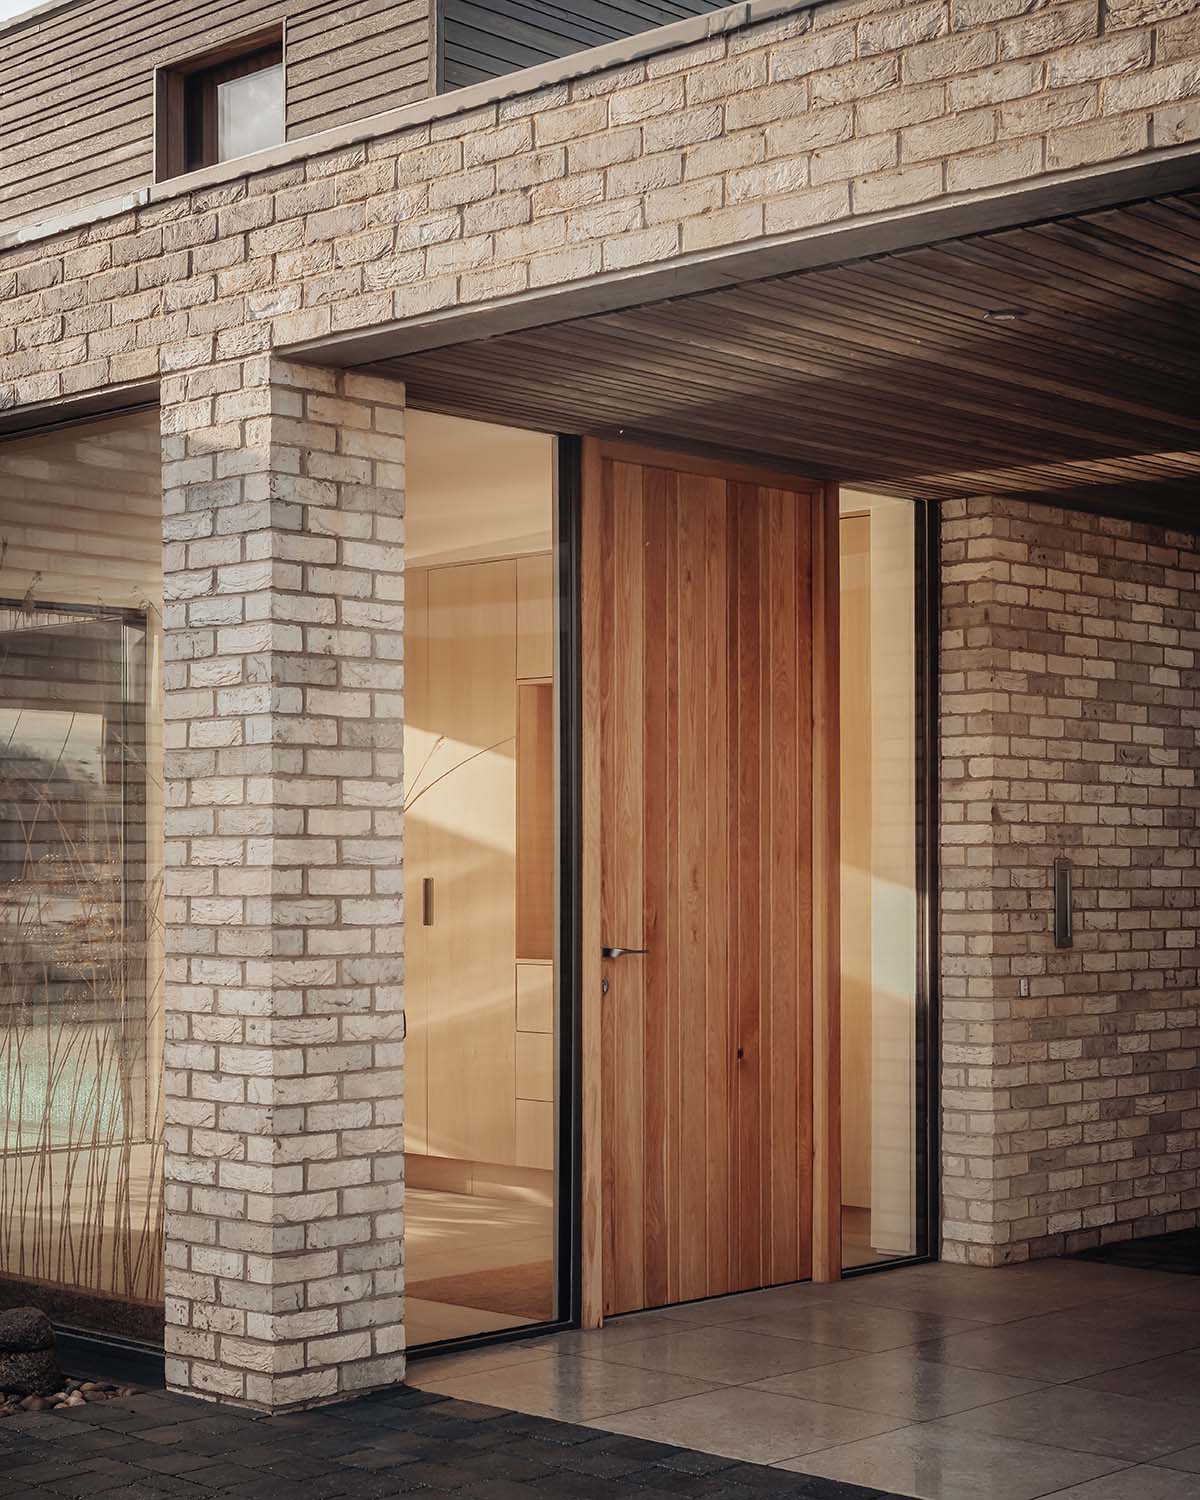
{"x": 480, "y": 753}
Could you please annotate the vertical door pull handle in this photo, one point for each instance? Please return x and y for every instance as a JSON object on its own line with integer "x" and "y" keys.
{"x": 427, "y": 901}
{"x": 1064, "y": 917}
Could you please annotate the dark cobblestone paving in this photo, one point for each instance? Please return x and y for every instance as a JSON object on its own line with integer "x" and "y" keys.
{"x": 403, "y": 1442}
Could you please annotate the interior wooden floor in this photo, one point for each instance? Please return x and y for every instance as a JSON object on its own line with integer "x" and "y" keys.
{"x": 460, "y": 1238}
{"x": 455, "y": 1236}
{"x": 857, "y": 1249}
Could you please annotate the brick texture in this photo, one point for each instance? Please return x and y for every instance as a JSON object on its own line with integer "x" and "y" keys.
{"x": 817, "y": 117}
{"x": 1071, "y": 705}
{"x": 283, "y": 514}
{"x": 1070, "y": 689}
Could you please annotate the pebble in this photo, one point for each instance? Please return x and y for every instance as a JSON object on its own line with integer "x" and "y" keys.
{"x": 73, "y": 1393}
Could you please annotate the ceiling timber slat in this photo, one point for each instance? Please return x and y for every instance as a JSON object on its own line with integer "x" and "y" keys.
{"x": 962, "y": 399}
{"x": 889, "y": 373}
{"x": 986, "y": 362}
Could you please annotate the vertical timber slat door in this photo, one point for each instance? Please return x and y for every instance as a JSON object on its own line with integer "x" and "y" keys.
{"x": 702, "y": 629}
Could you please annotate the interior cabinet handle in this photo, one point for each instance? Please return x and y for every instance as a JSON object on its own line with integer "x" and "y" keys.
{"x": 427, "y": 901}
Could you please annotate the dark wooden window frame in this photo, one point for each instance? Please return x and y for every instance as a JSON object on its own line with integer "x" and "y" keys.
{"x": 186, "y": 99}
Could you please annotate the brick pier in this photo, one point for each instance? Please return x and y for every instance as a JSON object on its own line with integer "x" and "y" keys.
{"x": 284, "y": 499}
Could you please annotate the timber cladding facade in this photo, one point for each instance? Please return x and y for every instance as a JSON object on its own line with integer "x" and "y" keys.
{"x": 77, "y": 96}
{"x": 720, "y": 149}
{"x": 77, "y": 82}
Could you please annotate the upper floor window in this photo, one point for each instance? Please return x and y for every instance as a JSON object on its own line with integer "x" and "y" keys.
{"x": 220, "y": 106}
{"x": 244, "y": 105}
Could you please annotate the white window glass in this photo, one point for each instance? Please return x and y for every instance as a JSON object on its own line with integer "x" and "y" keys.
{"x": 250, "y": 113}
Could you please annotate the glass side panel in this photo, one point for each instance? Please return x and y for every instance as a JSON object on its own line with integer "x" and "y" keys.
{"x": 81, "y": 1021}
{"x": 250, "y": 113}
{"x": 879, "y": 880}
{"x": 481, "y": 927}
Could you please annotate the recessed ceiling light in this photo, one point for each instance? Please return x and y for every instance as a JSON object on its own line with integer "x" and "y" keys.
{"x": 1005, "y": 314}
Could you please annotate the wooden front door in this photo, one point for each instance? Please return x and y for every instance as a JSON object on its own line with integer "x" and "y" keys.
{"x": 703, "y": 587}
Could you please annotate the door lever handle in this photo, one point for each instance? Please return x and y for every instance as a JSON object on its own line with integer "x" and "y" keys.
{"x": 621, "y": 952}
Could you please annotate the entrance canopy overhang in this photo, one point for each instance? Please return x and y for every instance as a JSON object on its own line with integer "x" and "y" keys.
{"x": 1055, "y": 361}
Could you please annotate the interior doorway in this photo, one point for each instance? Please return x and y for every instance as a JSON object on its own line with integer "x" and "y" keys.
{"x": 711, "y": 879}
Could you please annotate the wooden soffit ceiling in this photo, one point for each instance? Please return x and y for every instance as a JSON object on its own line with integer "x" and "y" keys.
{"x": 903, "y": 373}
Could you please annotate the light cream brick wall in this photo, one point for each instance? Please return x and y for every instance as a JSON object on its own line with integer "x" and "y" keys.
{"x": 817, "y": 117}
{"x": 1070, "y": 726}
{"x": 283, "y": 517}
{"x": 283, "y": 619}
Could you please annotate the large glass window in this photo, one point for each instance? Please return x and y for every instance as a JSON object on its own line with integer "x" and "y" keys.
{"x": 81, "y": 1019}
{"x": 880, "y": 909}
{"x": 481, "y": 928}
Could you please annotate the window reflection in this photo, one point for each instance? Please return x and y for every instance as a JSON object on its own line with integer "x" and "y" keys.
{"x": 79, "y": 1099}
{"x": 250, "y": 112}
{"x": 81, "y": 953}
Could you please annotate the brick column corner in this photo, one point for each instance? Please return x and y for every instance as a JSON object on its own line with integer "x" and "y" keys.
{"x": 283, "y": 517}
